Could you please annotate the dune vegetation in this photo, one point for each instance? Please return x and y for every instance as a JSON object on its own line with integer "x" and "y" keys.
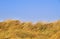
{"x": 15, "y": 29}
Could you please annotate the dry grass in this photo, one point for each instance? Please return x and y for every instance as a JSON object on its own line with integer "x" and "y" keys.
{"x": 14, "y": 29}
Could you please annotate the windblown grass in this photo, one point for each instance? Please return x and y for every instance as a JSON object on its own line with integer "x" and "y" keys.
{"x": 15, "y": 29}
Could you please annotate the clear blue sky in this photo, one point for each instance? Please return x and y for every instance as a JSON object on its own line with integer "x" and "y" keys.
{"x": 30, "y": 10}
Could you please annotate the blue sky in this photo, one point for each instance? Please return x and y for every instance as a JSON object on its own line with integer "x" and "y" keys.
{"x": 30, "y": 10}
